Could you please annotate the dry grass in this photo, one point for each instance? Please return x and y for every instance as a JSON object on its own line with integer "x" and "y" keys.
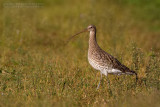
{"x": 38, "y": 69}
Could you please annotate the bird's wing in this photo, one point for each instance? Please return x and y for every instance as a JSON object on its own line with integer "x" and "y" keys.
{"x": 114, "y": 63}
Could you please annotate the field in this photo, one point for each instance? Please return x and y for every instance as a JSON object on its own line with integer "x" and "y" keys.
{"x": 38, "y": 68}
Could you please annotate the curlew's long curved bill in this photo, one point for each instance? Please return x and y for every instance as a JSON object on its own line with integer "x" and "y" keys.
{"x": 76, "y": 35}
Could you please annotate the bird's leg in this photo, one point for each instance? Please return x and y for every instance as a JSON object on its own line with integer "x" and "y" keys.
{"x": 99, "y": 81}
{"x": 136, "y": 77}
{"x": 117, "y": 78}
{"x": 108, "y": 80}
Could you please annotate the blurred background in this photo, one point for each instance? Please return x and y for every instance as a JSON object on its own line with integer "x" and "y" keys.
{"x": 37, "y": 68}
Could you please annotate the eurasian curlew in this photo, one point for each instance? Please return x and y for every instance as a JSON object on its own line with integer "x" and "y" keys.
{"x": 101, "y": 60}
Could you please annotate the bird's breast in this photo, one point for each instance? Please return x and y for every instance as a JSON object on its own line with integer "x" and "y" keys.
{"x": 94, "y": 64}
{"x": 97, "y": 64}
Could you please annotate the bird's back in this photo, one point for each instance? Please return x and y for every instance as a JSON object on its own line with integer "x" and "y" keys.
{"x": 99, "y": 59}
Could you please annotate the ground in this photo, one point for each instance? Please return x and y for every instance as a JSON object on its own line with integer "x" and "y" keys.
{"x": 38, "y": 68}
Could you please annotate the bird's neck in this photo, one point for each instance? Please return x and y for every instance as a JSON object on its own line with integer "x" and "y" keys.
{"x": 92, "y": 40}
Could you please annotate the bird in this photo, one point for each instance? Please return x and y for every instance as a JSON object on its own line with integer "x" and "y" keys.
{"x": 101, "y": 60}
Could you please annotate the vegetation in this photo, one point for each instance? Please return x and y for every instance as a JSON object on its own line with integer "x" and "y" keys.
{"x": 37, "y": 68}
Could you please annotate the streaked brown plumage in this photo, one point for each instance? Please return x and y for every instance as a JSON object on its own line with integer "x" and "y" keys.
{"x": 101, "y": 60}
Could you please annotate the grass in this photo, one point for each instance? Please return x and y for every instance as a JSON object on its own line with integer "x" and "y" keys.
{"x": 38, "y": 69}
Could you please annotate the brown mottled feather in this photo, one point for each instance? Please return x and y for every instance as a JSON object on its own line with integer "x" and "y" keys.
{"x": 103, "y": 58}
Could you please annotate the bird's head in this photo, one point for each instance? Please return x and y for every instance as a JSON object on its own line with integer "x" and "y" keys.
{"x": 90, "y": 28}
